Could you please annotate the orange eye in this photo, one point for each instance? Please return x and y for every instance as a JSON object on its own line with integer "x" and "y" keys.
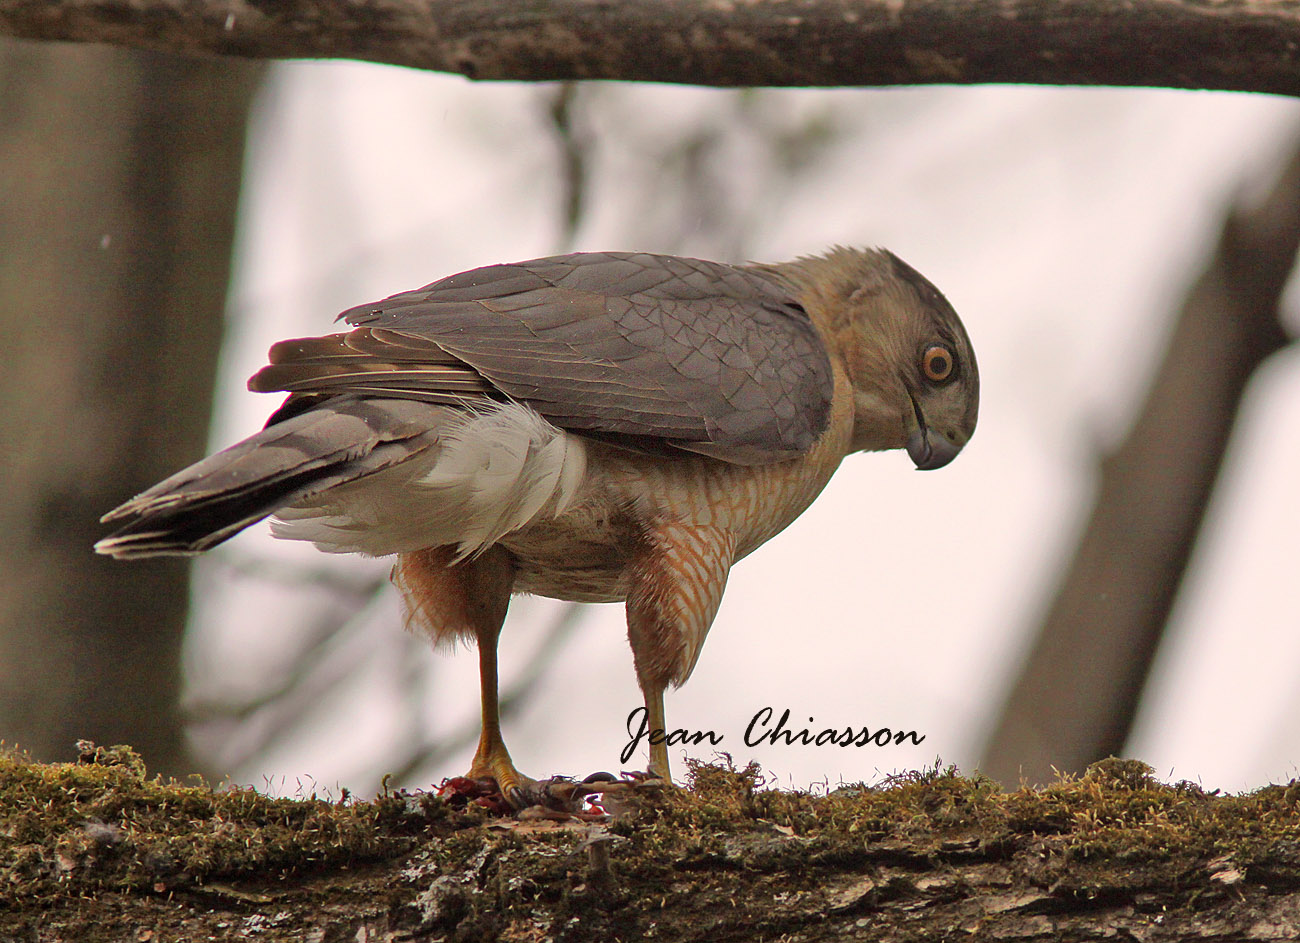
{"x": 937, "y": 363}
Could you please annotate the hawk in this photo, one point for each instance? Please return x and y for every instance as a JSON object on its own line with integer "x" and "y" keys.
{"x": 599, "y": 427}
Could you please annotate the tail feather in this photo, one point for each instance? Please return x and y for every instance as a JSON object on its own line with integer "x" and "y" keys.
{"x": 199, "y": 507}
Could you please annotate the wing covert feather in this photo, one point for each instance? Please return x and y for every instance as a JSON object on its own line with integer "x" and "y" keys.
{"x": 688, "y": 353}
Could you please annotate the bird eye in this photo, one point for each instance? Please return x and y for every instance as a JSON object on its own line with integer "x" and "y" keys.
{"x": 937, "y": 363}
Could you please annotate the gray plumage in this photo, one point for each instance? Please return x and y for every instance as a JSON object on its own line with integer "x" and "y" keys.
{"x": 649, "y": 350}
{"x": 212, "y": 500}
{"x": 656, "y": 354}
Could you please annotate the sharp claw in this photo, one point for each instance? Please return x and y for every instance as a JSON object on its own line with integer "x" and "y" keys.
{"x": 518, "y": 798}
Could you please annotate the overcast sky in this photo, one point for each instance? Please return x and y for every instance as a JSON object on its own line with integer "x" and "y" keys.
{"x": 1062, "y": 224}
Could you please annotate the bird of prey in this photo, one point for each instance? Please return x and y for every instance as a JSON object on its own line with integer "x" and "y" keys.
{"x": 597, "y": 427}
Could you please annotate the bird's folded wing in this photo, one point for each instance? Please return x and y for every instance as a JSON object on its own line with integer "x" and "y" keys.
{"x": 650, "y": 351}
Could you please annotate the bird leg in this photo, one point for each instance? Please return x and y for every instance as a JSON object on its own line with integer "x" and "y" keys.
{"x": 469, "y": 599}
{"x": 654, "y": 711}
{"x": 676, "y": 587}
{"x": 492, "y": 759}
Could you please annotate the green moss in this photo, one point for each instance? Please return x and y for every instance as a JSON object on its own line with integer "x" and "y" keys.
{"x": 1116, "y": 815}
{"x": 72, "y": 830}
{"x": 103, "y": 824}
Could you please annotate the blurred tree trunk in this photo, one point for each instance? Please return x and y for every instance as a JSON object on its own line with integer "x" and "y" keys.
{"x": 1078, "y": 692}
{"x": 119, "y": 179}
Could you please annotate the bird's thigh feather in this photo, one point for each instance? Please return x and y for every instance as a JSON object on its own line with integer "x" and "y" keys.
{"x": 452, "y": 601}
{"x": 676, "y": 588}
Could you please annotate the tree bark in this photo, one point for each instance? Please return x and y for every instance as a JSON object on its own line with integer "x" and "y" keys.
{"x": 117, "y": 202}
{"x": 101, "y": 853}
{"x": 1078, "y": 692}
{"x": 1248, "y": 45}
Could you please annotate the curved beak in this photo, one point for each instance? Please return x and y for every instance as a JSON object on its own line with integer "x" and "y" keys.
{"x": 928, "y": 449}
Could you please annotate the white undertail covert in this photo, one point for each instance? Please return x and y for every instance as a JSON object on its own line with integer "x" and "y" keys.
{"x": 491, "y": 471}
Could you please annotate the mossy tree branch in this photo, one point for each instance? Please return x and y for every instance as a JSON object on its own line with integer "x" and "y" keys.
{"x": 97, "y": 852}
{"x": 1246, "y": 45}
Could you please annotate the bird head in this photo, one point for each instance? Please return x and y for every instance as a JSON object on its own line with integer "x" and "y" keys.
{"x": 915, "y": 381}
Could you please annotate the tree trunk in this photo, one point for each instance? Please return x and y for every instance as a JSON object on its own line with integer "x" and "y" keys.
{"x": 1077, "y": 695}
{"x": 120, "y": 180}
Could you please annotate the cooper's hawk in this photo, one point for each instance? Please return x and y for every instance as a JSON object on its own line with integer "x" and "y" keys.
{"x": 597, "y": 427}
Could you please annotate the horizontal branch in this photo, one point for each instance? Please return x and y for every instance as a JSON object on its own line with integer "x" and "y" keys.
{"x": 1242, "y": 45}
{"x": 99, "y": 847}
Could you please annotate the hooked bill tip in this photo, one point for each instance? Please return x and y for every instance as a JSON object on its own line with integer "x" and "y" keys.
{"x": 930, "y": 452}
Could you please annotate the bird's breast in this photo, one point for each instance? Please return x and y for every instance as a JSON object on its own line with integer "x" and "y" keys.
{"x": 585, "y": 553}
